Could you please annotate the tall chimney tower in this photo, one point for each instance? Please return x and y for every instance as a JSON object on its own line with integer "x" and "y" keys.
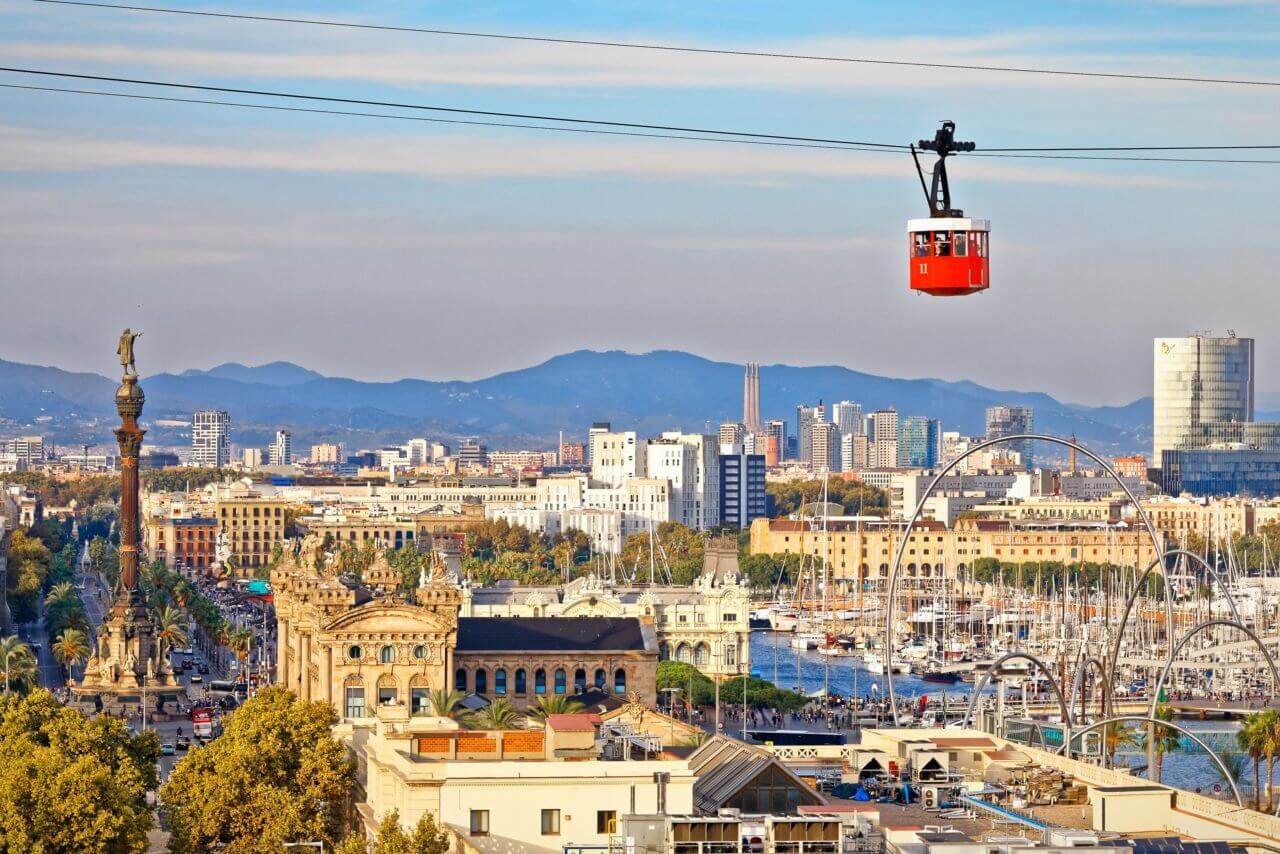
{"x": 751, "y": 398}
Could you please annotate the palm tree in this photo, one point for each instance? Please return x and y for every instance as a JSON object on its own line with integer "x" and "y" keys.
{"x": 448, "y": 704}
{"x": 71, "y": 648}
{"x": 500, "y": 715}
{"x": 1269, "y": 735}
{"x": 1249, "y": 738}
{"x": 18, "y": 660}
{"x": 62, "y": 593}
{"x": 169, "y": 629}
{"x": 1117, "y": 735}
{"x": 1166, "y": 740}
{"x": 556, "y": 704}
{"x": 240, "y": 642}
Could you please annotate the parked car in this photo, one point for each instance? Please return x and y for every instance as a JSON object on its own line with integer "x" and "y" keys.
{"x": 167, "y": 749}
{"x": 196, "y": 677}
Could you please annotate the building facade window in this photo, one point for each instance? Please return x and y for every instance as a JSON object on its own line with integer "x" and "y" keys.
{"x": 579, "y": 681}
{"x": 460, "y": 680}
{"x": 420, "y": 652}
{"x": 600, "y": 678}
{"x": 353, "y": 653}
{"x": 522, "y": 686}
{"x": 606, "y": 821}
{"x": 619, "y": 681}
{"x": 479, "y": 822}
{"x": 550, "y": 822}
{"x": 539, "y": 681}
{"x": 355, "y": 702}
{"x": 387, "y": 655}
{"x": 500, "y": 682}
{"x": 419, "y": 702}
{"x": 482, "y": 681}
{"x": 560, "y": 680}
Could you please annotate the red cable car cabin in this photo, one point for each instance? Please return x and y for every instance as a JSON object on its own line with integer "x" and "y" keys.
{"x": 950, "y": 256}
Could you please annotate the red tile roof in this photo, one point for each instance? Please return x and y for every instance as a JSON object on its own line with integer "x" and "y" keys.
{"x": 581, "y": 722}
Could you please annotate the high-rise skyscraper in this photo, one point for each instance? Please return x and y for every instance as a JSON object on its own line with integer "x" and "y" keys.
{"x": 1199, "y": 381}
{"x": 751, "y": 398}
{"x": 919, "y": 440}
{"x": 1011, "y": 421}
{"x": 825, "y": 447}
{"x": 883, "y": 432}
{"x": 211, "y": 438}
{"x": 281, "y": 451}
{"x": 805, "y": 417}
{"x": 847, "y": 415}
{"x": 777, "y": 429}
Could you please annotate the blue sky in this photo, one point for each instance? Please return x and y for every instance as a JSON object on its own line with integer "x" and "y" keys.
{"x": 380, "y": 249}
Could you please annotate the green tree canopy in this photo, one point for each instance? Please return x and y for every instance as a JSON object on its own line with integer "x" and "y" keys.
{"x": 275, "y": 775}
{"x": 427, "y": 838}
{"x": 854, "y": 496}
{"x": 686, "y": 677}
{"x": 70, "y": 783}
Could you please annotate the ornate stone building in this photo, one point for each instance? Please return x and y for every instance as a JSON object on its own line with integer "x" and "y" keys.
{"x": 705, "y": 623}
{"x": 360, "y": 645}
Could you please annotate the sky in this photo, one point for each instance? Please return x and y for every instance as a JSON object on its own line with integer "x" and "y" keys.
{"x": 380, "y": 248}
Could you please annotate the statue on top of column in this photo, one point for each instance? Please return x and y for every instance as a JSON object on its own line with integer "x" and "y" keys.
{"x": 125, "y": 351}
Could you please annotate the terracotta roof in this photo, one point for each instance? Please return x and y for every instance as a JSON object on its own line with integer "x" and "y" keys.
{"x": 581, "y": 722}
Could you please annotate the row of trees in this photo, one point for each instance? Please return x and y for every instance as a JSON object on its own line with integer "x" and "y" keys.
{"x": 855, "y": 497}
{"x": 1050, "y": 575}
{"x": 693, "y": 683}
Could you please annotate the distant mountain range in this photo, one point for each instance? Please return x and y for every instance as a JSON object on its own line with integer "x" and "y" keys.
{"x": 648, "y": 392}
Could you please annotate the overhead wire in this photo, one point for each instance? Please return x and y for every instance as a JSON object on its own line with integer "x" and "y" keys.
{"x": 592, "y": 131}
{"x": 648, "y": 46}
{"x": 470, "y": 122}
{"x": 333, "y": 99}
{"x": 631, "y": 128}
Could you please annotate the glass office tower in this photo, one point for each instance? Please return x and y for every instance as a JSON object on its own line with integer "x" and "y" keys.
{"x": 1199, "y": 381}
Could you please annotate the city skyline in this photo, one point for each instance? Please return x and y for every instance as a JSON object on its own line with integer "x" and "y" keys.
{"x": 440, "y": 216}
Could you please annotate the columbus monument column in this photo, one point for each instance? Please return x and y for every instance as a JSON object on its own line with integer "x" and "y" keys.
{"x": 126, "y": 660}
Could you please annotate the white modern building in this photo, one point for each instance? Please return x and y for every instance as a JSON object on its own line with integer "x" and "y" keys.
{"x": 281, "y": 451}
{"x": 1199, "y": 381}
{"x": 211, "y": 438}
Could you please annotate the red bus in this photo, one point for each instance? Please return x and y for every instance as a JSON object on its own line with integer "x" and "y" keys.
{"x": 202, "y": 722}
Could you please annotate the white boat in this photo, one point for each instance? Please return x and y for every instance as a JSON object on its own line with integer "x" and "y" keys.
{"x": 806, "y": 640}
{"x": 783, "y": 621}
{"x": 872, "y": 662}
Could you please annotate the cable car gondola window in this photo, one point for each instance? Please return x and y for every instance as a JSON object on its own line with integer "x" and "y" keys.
{"x": 961, "y": 243}
{"x": 921, "y": 244}
{"x": 942, "y": 243}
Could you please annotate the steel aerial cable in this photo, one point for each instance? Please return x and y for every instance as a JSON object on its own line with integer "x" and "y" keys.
{"x": 333, "y": 99}
{"x": 590, "y": 131}
{"x": 763, "y": 54}
{"x": 433, "y": 120}
{"x": 661, "y": 131}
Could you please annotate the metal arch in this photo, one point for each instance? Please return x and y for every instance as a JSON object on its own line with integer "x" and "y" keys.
{"x": 1156, "y": 543}
{"x": 1078, "y": 682}
{"x": 1124, "y": 621}
{"x": 1195, "y": 630}
{"x": 1168, "y": 599}
{"x": 986, "y": 678}
{"x": 1147, "y": 719}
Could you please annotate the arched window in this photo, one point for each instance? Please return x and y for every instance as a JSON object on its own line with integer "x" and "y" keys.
{"x": 579, "y": 681}
{"x": 539, "y": 681}
{"x": 482, "y": 681}
{"x": 460, "y": 679}
{"x": 560, "y": 680}
{"x": 522, "y": 685}
{"x": 701, "y": 655}
{"x": 600, "y": 677}
{"x": 387, "y": 655}
{"x": 500, "y": 682}
{"x": 619, "y": 681}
